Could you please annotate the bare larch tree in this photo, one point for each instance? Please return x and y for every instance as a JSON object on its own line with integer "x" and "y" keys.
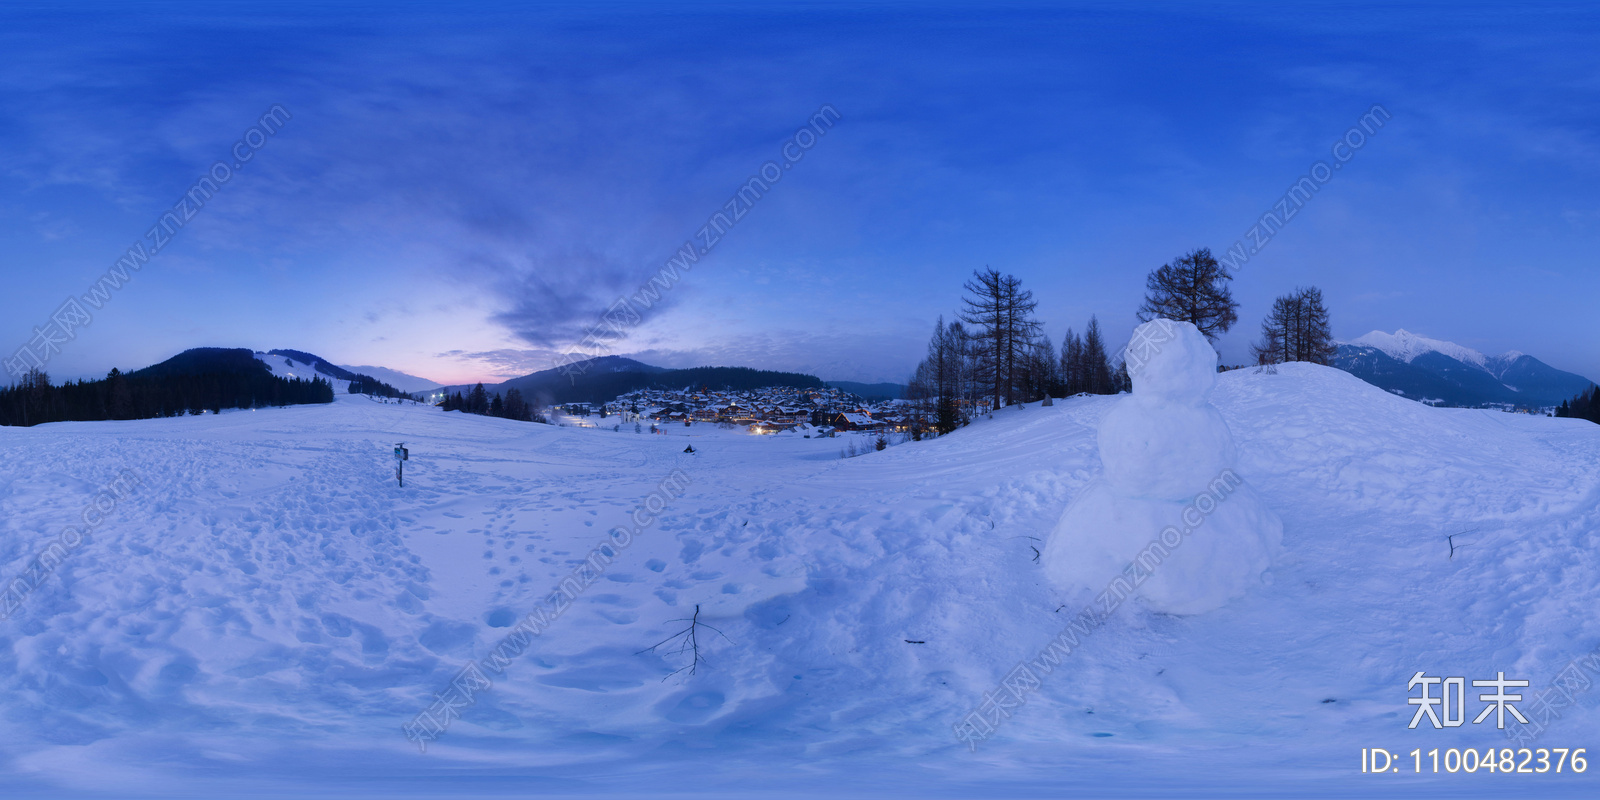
{"x": 1193, "y": 289}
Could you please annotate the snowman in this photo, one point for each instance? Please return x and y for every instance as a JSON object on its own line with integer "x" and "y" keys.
{"x": 1169, "y": 520}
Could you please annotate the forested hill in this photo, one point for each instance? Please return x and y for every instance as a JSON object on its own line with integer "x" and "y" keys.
{"x": 192, "y": 382}
{"x": 204, "y": 361}
{"x": 604, "y": 380}
{"x": 871, "y": 391}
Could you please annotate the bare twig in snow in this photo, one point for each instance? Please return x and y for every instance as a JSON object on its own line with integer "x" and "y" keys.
{"x": 1452, "y": 540}
{"x": 688, "y": 641}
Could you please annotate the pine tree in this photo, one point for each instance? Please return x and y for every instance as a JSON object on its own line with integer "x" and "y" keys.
{"x": 1085, "y": 365}
{"x": 1585, "y": 406}
{"x": 516, "y": 408}
{"x": 120, "y": 401}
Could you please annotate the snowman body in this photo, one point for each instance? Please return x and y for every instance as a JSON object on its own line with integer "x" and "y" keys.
{"x": 1169, "y": 520}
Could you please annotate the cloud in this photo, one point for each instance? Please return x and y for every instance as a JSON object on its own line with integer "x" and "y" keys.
{"x": 534, "y": 166}
{"x": 504, "y": 364}
{"x": 550, "y": 172}
{"x": 831, "y": 355}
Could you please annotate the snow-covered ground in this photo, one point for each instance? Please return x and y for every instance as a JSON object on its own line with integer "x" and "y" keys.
{"x": 284, "y": 367}
{"x": 262, "y": 612}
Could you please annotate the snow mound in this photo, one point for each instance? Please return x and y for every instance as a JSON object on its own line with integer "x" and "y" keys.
{"x": 1169, "y": 502}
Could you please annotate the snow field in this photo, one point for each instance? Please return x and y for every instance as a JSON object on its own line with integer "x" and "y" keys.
{"x": 268, "y": 608}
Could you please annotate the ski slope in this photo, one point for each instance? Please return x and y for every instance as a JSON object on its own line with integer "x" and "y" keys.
{"x": 284, "y": 367}
{"x": 265, "y": 608}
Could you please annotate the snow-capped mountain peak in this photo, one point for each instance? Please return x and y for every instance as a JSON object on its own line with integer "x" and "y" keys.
{"x": 1403, "y": 345}
{"x": 1510, "y": 379}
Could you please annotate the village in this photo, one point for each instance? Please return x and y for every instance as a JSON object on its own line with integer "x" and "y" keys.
{"x": 769, "y": 410}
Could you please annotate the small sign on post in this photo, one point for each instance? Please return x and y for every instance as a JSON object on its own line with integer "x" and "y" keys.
{"x": 401, "y": 456}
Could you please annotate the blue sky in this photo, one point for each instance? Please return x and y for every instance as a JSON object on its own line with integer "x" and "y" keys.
{"x": 461, "y": 190}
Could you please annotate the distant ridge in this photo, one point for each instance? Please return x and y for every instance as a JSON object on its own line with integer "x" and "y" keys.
{"x": 1447, "y": 374}
{"x": 204, "y": 361}
{"x": 604, "y": 378}
{"x": 399, "y": 380}
{"x": 872, "y": 391}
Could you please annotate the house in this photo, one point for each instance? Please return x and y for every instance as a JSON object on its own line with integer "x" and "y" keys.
{"x": 854, "y": 421}
{"x": 898, "y": 422}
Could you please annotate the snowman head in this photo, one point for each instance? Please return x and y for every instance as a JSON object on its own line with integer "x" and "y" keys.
{"x": 1171, "y": 362}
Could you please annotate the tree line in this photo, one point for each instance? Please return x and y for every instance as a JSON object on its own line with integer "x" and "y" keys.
{"x": 994, "y": 354}
{"x": 1585, "y": 406}
{"x": 479, "y": 401}
{"x": 368, "y": 385}
{"x": 1194, "y": 288}
{"x": 143, "y": 395}
{"x": 555, "y": 387}
{"x": 1296, "y": 330}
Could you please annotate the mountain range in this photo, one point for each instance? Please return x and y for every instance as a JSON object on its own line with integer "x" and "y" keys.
{"x": 604, "y": 378}
{"x": 1417, "y": 367}
{"x": 395, "y": 378}
{"x": 871, "y": 392}
{"x": 1448, "y": 374}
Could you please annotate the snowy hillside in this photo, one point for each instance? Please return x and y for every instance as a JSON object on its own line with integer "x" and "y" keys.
{"x": 284, "y": 367}
{"x": 266, "y": 604}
